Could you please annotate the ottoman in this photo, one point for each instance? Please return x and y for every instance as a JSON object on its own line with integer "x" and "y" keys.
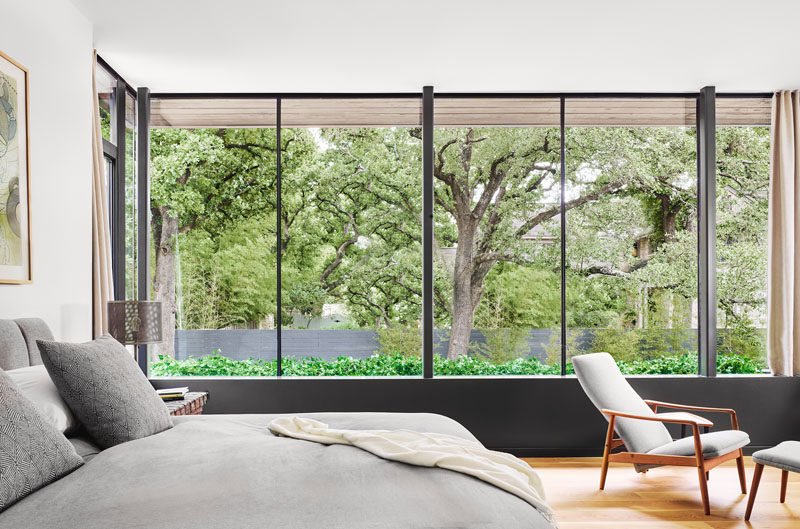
{"x": 785, "y": 456}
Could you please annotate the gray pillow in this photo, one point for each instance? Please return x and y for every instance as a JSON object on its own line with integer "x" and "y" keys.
{"x": 105, "y": 389}
{"x": 32, "y": 452}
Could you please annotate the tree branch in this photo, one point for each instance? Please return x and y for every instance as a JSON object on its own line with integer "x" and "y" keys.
{"x": 574, "y": 203}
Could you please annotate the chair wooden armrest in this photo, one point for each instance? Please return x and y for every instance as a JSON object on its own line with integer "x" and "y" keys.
{"x": 670, "y": 418}
{"x": 701, "y": 421}
{"x": 655, "y": 404}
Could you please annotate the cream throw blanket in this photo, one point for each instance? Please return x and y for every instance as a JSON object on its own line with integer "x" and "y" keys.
{"x": 429, "y": 450}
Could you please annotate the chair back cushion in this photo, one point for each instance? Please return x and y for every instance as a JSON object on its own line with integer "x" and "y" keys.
{"x": 605, "y": 386}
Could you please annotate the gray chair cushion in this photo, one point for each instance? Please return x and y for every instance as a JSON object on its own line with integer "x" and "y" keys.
{"x": 106, "y": 390}
{"x": 785, "y": 456}
{"x": 34, "y": 453}
{"x": 607, "y": 388}
{"x": 714, "y": 444}
{"x": 34, "y": 329}
{"x": 13, "y": 351}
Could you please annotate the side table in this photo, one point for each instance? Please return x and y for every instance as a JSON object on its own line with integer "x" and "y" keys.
{"x": 192, "y": 404}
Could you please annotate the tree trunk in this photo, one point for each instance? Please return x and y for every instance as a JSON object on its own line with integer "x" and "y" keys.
{"x": 463, "y": 313}
{"x": 669, "y": 214}
{"x": 165, "y": 235}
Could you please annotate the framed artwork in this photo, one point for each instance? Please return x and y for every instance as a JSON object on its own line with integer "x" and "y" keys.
{"x": 15, "y": 211}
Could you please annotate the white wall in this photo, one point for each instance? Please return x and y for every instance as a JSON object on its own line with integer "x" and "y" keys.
{"x": 53, "y": 40}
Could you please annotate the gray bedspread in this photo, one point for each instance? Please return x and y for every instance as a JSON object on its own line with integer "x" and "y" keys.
{"x": 229, "y": 471}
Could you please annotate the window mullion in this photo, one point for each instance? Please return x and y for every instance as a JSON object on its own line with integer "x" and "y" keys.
{"x": 706, "y": 232}
{"x": 427, "y": 232}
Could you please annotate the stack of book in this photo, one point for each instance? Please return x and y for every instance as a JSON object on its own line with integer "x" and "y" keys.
{"x": 172, "y": 393}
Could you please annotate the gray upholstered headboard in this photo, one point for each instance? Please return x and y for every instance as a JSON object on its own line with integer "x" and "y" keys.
{"x": 18, "y": 342}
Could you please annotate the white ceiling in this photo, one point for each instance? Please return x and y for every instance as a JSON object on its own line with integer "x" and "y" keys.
{"x": 455, "y": 45}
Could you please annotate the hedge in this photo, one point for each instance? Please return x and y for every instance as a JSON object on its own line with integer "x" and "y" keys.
{"x": 401, "y": 365}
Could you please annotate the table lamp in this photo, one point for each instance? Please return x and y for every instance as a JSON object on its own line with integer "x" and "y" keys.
{"x": 134, "y": 322}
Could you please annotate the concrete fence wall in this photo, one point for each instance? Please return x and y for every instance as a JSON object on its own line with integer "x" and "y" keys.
{"x": 327, "y": 344}
{"x": 241, "y": 344}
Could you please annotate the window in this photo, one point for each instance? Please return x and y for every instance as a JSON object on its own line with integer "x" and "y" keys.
{"x": 131, "y": 197}
{"x": 213, "y": 198}
{"x": 106, "y": 85}
{"x": 631, "y": 224}
{"x": 497, "y": 236}
{"x": 117, "y": 107}
{"x": 351, "y": 267}
{"x": 743, "y": 147}
{"x": 287, "y": 234}
{"x": 350, "y": 254}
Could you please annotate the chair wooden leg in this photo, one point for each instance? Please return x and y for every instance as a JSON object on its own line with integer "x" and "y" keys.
{"x": 784, "y": 481}
{"x": 753, "y": 490}
{"x": 704, "y": 489}
{"x": 701, "y": 469}
{"x": 606, "y": 451}
{"x": 740, "y": 468}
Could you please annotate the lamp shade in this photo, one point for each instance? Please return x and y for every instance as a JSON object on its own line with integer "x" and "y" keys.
{"x": 135, "y": 322}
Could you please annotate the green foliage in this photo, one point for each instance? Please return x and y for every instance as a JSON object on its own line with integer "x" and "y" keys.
{"x": 503, "y": 345}
{"x": 744, "y": 339}
{"x": 399, "y": 364}
{"x": 406, "y": 341}
{"x": 351, "y": 232}
{"x": 508, "y": 301}
{"x": 742, "y": 191}
{"x": 304, "y": 298}
{"x": 228, "y": 279}
{"x": 213, "y": 365}
{"x": 620, "y": 342}
{"x": 666, "y": 331}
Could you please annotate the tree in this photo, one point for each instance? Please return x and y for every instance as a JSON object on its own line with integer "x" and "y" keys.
{"x": 351, "y": 224}
{"x": 210, "y": 179}
{"x": 362, "y": 229}
{"x": 494, "y": 188}
{"x": 742, "y": 204}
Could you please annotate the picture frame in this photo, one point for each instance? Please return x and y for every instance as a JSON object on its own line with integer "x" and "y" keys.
{"x": 15, "y": 202}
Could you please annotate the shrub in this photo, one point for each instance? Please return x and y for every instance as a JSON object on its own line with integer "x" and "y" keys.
{"x": 406, "y": 341}
{"x": 397, "y": 364}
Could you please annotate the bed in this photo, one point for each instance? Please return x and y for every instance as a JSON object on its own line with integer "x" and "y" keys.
{"x": 220, "y": 471}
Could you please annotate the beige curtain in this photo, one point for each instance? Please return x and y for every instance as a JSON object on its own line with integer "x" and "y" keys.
{"x": 102, "y": 287}
{"x": 783, "y": 281}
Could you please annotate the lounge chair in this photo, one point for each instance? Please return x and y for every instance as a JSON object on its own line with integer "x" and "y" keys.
{"x": 642, "y": 430}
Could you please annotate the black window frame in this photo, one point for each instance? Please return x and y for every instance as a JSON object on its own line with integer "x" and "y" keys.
{"x": 114, "y": 153}
{"x": 706, "y": 178}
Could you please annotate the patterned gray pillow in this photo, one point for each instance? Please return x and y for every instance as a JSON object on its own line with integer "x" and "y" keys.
{"x": 105, "y": 389}
{"x": 33, "y": 452}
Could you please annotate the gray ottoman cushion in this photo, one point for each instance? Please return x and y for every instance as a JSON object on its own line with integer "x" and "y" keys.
{"x": 714, "y": 444}
{"x": 105, "y": 389}
{"x": 785, "y": 456}
{"x": 33, "y": 453}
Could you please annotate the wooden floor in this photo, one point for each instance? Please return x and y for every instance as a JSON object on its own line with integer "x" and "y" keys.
{"x": 664, "y": 498}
